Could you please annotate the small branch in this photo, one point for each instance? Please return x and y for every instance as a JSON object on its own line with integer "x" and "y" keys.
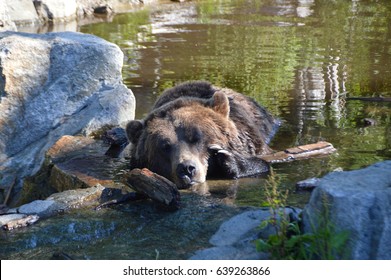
{"x": 321, "y": 148}
{"x": 9, "y": 192}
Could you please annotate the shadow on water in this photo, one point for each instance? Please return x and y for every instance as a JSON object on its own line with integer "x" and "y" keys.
{"x": 300, "y": 59}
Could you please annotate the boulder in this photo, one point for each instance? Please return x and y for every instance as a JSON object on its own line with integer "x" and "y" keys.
{"x": 52, "y": 85}
{"x": 43, "y": 208}
{"x": 32, "y": 15}
{"x": 6, "y": 22}
{"x": 17, "y": 11}
{"x": 121, "y": 6}
{"x": 357, "y": 202}
{"x": 89, "y": 7}
{"x": 56, "y": 10}
{"x": 235, "y": 238}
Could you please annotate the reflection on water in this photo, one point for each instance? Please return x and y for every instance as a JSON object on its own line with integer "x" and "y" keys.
{"x": 301, "y": 59}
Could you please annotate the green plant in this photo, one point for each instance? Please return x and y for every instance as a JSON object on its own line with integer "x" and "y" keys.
{"x": 287, "y": 240}
{"x": 327, "y": 243}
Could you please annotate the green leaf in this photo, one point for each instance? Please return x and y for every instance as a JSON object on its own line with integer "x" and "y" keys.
{"x": 262, "y": 246}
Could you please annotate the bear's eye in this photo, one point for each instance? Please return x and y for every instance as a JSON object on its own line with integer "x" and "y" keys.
{"x": 195, "y": 135}
{"x": 165, "y": 146}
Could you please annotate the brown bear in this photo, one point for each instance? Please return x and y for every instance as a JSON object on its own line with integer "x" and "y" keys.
{"x": 196, "y": 130}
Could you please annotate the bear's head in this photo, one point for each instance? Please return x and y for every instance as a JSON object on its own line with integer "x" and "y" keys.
{"x": 174, "y": 139}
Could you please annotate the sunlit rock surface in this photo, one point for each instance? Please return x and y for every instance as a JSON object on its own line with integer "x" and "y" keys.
{"x": 17, "y": 11}
{"x": 53, "y": 85}
{"x": 15, "y": 15}
{"x": 357, "y": 202}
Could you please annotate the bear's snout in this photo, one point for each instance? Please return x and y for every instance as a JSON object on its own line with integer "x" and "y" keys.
{"x": 186, "y": 171}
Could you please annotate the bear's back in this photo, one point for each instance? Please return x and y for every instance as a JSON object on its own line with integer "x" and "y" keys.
{"x": 254, "y": 122}
{"x": 195, "y": 89}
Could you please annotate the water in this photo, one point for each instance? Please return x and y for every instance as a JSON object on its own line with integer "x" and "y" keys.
{"x": 133, "y": 231}
{"x": 301, "y": 59}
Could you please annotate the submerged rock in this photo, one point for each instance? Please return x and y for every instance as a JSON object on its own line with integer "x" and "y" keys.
{"x": 62, "y": 201}
{"x": 307, "y": 184}
{"x": 369, "y": 122}
{"x": 357, "y": 202}
{"x": 30, "y": 213}
{"x": 74, "y": 162}
{"x": 78, "y": 197}
{"x": 52, "y": 85}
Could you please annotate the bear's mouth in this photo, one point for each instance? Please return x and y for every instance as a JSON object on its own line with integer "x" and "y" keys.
{"x": 185, "y": 182}
{"x": 187, "y": 174}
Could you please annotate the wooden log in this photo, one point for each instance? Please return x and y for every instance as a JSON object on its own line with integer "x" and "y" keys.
{"x": 321, "y": 148}
{"x": 371, "y": 99}
{"x": 23, "y": 222}
{"x": 161, "y": 190}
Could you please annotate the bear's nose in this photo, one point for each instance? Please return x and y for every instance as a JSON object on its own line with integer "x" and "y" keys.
{"x": 186, "y": 168}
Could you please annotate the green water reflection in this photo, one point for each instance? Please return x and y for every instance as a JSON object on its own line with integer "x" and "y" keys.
{"x": 300, "y": 59}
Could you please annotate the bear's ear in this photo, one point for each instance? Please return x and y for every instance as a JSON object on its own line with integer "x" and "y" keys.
{"x": 220, "y": 103}
{"x": 133, "y": 130}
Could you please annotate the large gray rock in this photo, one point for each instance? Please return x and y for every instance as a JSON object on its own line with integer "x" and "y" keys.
{"x": 240, "y": 227}
{"x": 17, "y": 11}
{"x": 358, "y": 202}
{"x": 87, "y": 7}
{"x": 52, "y": 85}
{"x": 55, "y": 10}
{"x": 32, "y": 15}
{"x": 44, "y": 208}
{"x": 235, "y": 238}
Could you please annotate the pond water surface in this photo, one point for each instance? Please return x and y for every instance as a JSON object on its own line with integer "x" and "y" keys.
{"x": 301, "y": 59}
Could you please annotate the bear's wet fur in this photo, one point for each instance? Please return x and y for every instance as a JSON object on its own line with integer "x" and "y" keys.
{"x": 196, "y": 130}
